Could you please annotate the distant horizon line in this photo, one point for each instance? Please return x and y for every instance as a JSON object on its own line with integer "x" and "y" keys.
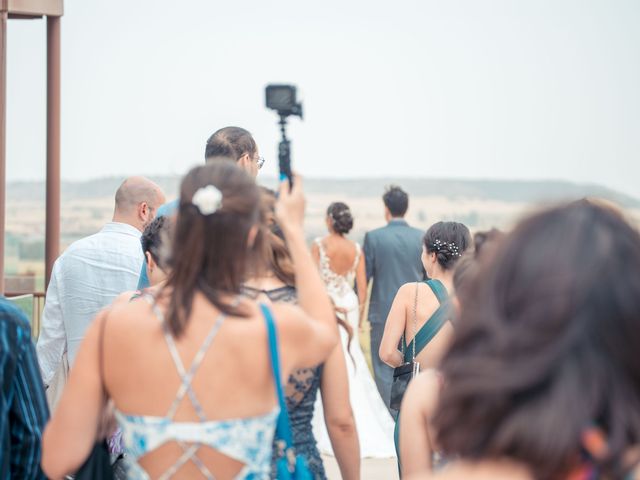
{"x": 354, "y": 177}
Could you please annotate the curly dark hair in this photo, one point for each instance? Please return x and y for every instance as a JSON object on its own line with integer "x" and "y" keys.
{"x": 547, "y": 345}
{"x": 155, "y": 240}
{"x": 448, "y": 240}
{"x": 341, "y": 218}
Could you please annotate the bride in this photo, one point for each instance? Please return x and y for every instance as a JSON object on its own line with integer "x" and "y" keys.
{"x": 341, "y": 262}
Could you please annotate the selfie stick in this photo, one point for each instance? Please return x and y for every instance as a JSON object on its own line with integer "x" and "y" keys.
{"x": 284, "y": 152}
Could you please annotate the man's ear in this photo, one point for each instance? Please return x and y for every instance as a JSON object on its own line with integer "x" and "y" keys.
{"x": 151, "y": 265}
{"x": 144, "y": 211}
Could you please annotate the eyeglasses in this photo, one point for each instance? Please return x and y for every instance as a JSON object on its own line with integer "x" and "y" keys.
{"x": 260, "y": 161}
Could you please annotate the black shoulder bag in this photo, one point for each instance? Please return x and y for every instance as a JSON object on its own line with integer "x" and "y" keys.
{"x": 403, "y": 374}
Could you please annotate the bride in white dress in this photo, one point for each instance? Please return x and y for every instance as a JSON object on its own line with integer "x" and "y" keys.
{"x": 341, "y": 262}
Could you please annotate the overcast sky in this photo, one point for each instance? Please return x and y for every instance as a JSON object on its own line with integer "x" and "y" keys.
{"x": 457, "y": 88}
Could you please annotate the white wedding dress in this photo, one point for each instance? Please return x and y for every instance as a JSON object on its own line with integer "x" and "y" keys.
{"x": 373, "y": 421}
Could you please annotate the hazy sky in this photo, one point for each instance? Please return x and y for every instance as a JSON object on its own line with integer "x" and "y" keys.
{"x": 468, "y": 88}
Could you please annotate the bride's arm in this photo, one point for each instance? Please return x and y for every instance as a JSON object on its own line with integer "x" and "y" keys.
{"x": 394, "y": 328}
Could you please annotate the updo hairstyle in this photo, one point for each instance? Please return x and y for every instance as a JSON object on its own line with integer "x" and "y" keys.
{"x": 341, "y": 218}
{"x": 448, "y": 240}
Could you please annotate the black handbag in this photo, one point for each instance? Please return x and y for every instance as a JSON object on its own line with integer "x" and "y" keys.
{"x": 403, "y": 374}
{"x": 97, "y": 466}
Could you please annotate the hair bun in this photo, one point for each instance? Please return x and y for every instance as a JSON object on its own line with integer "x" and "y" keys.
{"x": 341, "y": 217}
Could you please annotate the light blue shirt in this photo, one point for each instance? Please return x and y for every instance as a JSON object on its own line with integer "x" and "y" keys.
{"x": 165, "y": 210}
{"x": 87, "y": 277}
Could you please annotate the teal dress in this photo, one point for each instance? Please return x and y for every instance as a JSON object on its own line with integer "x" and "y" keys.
{"x": 423, "y": 336}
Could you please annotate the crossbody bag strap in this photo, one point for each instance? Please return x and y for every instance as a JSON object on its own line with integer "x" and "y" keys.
{"x": 103, "y": 324}
{"x": 283, "y": 427}
{"x": 415, "y": 322}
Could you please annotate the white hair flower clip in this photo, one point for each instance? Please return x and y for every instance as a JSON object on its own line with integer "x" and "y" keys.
{"x": 208, "y": 200}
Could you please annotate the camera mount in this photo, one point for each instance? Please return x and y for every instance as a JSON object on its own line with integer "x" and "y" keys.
{"x": 282, "y": 99}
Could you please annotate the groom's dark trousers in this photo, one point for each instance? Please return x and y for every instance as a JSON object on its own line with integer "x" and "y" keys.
{"x": 392, "y": 255}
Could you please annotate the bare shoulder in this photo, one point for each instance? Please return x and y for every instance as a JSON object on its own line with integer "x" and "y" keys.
{"x": 130, "y": 316}
{"x": 124, "y": 298}
{"x": 286, "y": 315}
{"x": 408, "y": 290}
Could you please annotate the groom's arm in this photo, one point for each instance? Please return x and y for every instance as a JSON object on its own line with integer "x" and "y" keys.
{"x": 369, "y": 257}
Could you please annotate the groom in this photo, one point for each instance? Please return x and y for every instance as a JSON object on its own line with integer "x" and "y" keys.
{"x": 393, "y": 258}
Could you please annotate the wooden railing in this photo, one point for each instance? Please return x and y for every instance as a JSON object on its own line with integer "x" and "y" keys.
{"x": 32, "y": 304}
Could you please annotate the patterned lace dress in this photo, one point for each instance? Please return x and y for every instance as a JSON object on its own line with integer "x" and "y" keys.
{"x": 301, "y": 392}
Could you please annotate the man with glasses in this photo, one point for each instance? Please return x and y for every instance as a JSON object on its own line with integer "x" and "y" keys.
{"x": 227, "y": 144}
{"x": 237, "y": 144}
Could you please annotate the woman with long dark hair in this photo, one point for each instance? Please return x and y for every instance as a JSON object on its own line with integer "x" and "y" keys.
{"x": 190, "y": 370}
{"x": 273, "y": 276}
{"x": 542, "y": 380}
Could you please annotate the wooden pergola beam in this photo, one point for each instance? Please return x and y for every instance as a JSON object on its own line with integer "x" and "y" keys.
{"x": 33, "y": 8}
{"x": 53, "y": 10}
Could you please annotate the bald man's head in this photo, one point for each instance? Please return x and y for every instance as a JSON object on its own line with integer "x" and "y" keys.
{"x": 137, "y": 201}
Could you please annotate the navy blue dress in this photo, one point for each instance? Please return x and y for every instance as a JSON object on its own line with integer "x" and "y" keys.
{"x": 301, "y": 392}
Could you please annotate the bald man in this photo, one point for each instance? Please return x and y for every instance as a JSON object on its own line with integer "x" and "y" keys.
{"x": 93, "y": 271}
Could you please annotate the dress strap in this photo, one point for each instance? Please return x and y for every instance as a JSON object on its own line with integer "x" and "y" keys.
{"x": 323, "y": 254}
{"x": 435, "y": 322}
{"x": 186, "y": 377}
{"x": 357, "y": 259}
{"x": 428, "y": 331}
{"x": 439, "y": 290}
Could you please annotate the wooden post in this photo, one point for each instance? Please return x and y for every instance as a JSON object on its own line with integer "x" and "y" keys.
{"x": 52, "y": 239}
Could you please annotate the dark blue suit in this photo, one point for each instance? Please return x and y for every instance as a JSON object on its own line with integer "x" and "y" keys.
{"x": 392, "y": 255}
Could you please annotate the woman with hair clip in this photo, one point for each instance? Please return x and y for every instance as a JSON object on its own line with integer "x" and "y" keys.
{"x": 417, "y": 452}
{"x": 542, "y": 381}
{"x": 419, "y": 319}
{"x": 342, "y": 267}
{"x": 190, "y": 369}
{"x": 273, "y": 277}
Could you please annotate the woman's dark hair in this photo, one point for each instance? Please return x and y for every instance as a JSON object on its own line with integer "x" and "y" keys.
{"x": 484, "y": 239}
{"x": 466, "y": 269}
{"x": 547, "y": 345}
{"x": 230, "y": 142}
{"x": 341, "y": 218}
{"x": 448, "y": 240}
{"x": 270, "y": 247}
{"x": 155, "y": 239}
{"x": 209, "y": 252}
{"x": 396, "y": 200}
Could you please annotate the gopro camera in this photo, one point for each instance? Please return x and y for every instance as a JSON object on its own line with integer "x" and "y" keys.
{"x": 282, "y": 98}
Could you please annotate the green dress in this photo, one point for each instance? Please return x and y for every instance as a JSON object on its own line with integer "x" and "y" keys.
{"x": 422, "y": 338}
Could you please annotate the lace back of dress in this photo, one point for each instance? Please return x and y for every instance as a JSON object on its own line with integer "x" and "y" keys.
{"x": 335, "y": 282}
